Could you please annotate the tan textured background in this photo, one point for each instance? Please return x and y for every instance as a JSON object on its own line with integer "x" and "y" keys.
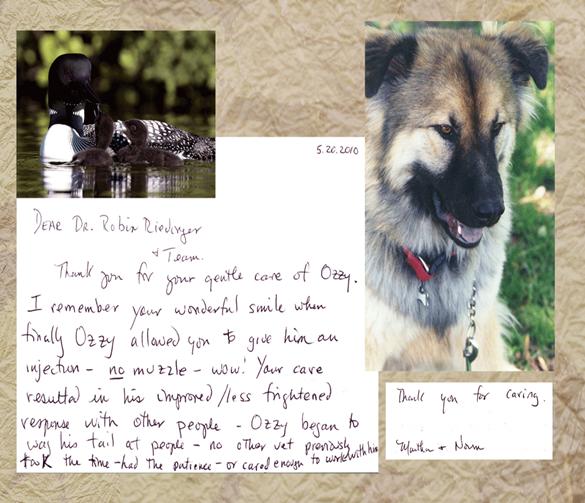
{"x": 285, "y": 69}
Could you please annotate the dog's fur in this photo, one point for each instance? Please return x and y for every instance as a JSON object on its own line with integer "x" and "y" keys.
{"x": 443, "y": 109}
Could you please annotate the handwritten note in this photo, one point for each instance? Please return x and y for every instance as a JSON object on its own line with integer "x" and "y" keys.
{"x": 469, "y": 420}
{"x": 219, "y": 335}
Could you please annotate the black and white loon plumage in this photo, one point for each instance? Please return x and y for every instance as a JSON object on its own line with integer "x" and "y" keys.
{"x": 163, "y": 136}
{"x": 74, "y": 107}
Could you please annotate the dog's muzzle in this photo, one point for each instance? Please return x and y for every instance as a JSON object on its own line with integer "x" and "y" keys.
{"x": 487, "y": 213}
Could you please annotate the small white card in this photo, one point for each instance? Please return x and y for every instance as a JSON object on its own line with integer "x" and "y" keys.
{"x": 449, "y": 420}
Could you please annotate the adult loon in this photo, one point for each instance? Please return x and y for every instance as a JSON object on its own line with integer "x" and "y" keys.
{"x": 74, "y": 107}
{"x": 138, "y": 153}
{"x": 99, "y": 156}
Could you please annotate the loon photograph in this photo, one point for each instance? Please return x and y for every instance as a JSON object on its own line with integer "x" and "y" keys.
{"x": 115, "y": 114}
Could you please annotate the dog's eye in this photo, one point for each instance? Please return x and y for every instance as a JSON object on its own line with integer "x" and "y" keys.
{"x": 496, "y": 128}
{"x": 446, "y": 131}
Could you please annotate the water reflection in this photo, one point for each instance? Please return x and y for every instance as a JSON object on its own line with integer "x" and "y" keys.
{"x": 36, "y": 179}
{"x": 192, "y": 180}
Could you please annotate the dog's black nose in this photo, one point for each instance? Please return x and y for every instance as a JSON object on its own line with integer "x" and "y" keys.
{"x": 488, "y": 211}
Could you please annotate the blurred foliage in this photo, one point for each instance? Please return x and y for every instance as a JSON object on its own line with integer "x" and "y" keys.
{"x": 528, "y": 282}
{"x": 529, "y": 275}
{"x": 150, "y": 71}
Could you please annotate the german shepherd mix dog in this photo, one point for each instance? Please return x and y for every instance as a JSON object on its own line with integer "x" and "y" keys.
{"x": 443, "y": 110}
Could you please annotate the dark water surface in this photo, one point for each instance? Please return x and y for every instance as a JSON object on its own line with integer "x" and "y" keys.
{"x": 194, "y": 179}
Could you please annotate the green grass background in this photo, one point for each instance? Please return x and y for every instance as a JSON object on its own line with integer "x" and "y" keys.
{"x": 529, "y": 275}
{"x": 528, "y": 283}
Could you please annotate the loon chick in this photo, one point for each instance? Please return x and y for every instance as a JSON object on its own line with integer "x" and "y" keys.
{"x": 139, "y": 153}
{"x": 99, "y": 156}
{"x": 74, "y": 107}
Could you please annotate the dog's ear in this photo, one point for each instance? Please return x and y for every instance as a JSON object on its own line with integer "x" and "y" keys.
{"x": 388, "y": 57}
{"x": 527, "y": 55}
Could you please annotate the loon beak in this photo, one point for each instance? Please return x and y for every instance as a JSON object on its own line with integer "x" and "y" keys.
{"x": 88, "y": 93}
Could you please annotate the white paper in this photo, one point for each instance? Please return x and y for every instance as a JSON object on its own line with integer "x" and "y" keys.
{"x": 206, "y": 335}
{"x": 448, "y": 420}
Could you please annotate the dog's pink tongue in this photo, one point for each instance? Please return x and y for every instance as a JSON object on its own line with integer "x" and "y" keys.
{"x": 470, "y": 234}
{"x": 464, "y": 232}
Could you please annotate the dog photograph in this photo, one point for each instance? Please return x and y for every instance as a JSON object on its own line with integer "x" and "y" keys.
{"x": 115, "y": 114}
{"x": 459, "y": 213}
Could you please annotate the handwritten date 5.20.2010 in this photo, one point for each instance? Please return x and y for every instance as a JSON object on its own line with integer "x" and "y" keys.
{"x": 337, "y": 149}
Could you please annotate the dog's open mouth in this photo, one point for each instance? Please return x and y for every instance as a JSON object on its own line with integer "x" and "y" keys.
{"x": 462, "y": 234}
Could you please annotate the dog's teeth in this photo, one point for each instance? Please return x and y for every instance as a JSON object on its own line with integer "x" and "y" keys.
{"x": 459, "y": 230}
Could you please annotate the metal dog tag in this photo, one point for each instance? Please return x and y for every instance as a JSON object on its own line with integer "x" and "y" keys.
{"x": 471, "y": 350}
{"x": 423, "y": 296}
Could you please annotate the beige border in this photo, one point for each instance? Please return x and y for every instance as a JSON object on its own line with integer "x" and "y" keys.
{"x": 296, "y": 68}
